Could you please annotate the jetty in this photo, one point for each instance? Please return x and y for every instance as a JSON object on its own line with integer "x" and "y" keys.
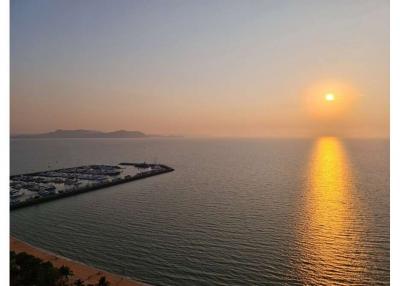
{"x": 39, "y": 187}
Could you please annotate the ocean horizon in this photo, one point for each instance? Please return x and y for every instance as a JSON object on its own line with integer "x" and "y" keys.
{"x": 234, "y": 211}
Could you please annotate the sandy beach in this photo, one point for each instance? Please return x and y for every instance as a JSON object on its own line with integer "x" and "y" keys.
{"x": 81, "y": 271}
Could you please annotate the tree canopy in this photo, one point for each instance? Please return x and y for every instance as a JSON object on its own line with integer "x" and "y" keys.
{"x": 28, "y": 270}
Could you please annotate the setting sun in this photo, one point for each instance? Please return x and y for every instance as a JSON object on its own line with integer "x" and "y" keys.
{"x": 330, "y": 101}
{"x": 329, "y": 97}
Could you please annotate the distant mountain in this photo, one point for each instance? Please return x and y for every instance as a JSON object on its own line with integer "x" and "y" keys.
{"x": 81, "y": 133}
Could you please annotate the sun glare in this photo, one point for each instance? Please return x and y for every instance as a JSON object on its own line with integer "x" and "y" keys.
{"x": 329, "y": 100}
{"x": 329, "y": 97}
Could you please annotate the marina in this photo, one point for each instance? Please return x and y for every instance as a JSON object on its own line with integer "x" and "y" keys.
{"x": 38, "y": 187}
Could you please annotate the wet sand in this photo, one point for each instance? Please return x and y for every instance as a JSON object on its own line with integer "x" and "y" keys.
{"x": 81, "y": 271}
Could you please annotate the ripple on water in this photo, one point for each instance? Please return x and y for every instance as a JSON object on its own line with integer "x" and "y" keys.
{"x": 235, "y": 212}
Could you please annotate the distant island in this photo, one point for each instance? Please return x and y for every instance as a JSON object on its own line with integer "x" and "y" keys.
{"x": 81, "y": 133}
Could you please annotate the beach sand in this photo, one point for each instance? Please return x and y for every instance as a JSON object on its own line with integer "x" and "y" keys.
{"x": 81, "y": 271}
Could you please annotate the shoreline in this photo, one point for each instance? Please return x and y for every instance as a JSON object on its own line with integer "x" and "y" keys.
{"x": 81, "y": 271}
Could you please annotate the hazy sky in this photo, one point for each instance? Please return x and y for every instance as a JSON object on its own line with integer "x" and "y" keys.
{"x": 208, "y": 68}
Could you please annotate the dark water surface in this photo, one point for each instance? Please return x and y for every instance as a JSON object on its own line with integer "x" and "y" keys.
{"x": 234, "y": 211}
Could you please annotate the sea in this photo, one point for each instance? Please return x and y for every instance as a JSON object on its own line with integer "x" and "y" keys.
{"x": 234, "y": 211}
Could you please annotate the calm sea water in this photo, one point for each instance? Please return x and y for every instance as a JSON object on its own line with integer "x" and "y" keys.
{"x": 234, "y": 212}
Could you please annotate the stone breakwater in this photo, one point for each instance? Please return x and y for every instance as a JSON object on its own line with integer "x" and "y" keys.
{"x": 39, "y": 187}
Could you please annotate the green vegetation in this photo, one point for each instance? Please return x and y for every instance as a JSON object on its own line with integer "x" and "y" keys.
{"x": 28, "y": 270}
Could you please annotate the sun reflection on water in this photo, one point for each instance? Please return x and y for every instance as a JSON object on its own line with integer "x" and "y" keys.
{"x": 330, "y": 230}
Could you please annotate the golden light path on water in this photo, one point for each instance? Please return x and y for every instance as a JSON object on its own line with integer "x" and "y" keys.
{"x": 330, "y": 231}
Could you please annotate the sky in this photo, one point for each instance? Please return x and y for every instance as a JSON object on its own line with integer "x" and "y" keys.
{"x": 201, "y": 68}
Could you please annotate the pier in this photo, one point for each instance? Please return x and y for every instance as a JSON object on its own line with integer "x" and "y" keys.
{"x": 34, "y": 188}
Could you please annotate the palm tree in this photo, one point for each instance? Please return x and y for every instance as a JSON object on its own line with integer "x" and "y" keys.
{"x": 103, "y": 282}
{"x": 65, "y": 271}
{"x": 79, "y": 282}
